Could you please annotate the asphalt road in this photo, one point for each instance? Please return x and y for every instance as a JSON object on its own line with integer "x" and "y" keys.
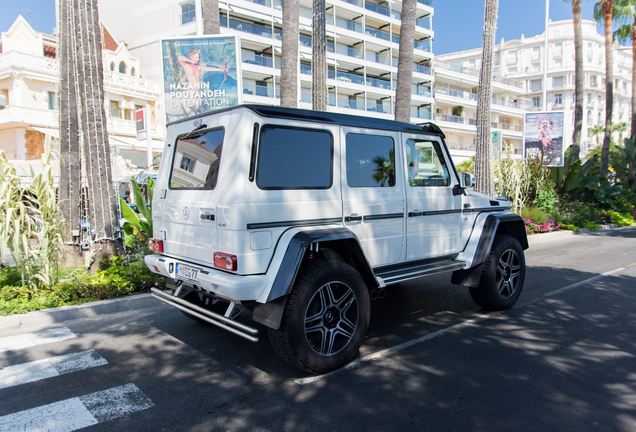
{"x": 564, "y": 358}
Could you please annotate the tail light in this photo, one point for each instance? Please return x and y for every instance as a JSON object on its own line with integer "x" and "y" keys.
{"x": 225, "y": 261}
{"x": 155, "y": 245}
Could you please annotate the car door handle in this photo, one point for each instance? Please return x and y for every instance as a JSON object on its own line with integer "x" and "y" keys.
{"x": 207, "y": 216}
{"x": 415, "y": 213}
{"x": 353, "y": 218}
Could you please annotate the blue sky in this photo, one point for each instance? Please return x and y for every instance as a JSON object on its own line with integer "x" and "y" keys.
{"x": 457, "y": 24}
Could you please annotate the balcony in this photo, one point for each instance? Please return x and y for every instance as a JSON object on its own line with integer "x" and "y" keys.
{"x": 424, "y": 45}
{"x": 425, "y": 115}
{"x": 260, "y": 60}
{"x": 456, "y": 93}
{"x": 380, "y": 34}
{"x": 254, "y": 29}
{"x": 349, "y": 25}
{"x": 373, "y": 106}
{"x": 258, "y": 90}
{"x": 377, "y": 9}
{"x": 421, "y": 69}
{"x": 378, "y": 58}
{"x": 30, "y": 116}
{"x": 421, "y": 91}
{"x": 379, "y": 83}
{"x": 349, "y": 78}
{"x": 349, "y": 51}
{"x": 344, "y": 102}
{"x": 450, "y": 118}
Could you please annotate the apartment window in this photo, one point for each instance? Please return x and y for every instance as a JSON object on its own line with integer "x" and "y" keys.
{"x": 188, "y": 12}
{"x": 133, "y": 72}
{"x": 557, "y": 82}
{"x": 112, "y": 66}
{"x": 512, "y": 57}
{"x": 558, "y": 99}
{"x": 122, "y": 67}
{"x": 558, "y": 49}
{"x": 51, "y": 99}
{"x": 536, "y": 101}
{"x": 593, "y": 81}
{"x": 4, "y": 98}
{"x": 535, "y": 85}
{"x": 512, "y": 70}
{"x": 115, "y": 112}
{"x": 536, "y": 53}
{"x": 536, "y": 67}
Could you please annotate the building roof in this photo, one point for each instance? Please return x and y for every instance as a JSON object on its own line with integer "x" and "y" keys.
{"x": 108, "y": 41}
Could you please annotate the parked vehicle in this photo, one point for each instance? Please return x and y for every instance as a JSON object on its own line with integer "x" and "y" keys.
{"x": 300, "y": 218}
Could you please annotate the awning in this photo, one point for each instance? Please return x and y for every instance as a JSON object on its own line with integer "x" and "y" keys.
{"x": 133, "y": 143}
{"x": 52, "y": 132}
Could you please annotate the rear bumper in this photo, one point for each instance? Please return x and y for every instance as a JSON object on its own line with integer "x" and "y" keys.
{"x": 225, "y": 285}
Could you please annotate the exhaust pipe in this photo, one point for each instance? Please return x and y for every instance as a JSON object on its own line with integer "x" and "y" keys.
{"x": 378, "y": 294}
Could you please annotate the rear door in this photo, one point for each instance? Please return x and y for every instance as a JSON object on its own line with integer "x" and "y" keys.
{"x": 433, "y": 211}
{"x": 372, "y": 193}
{"x": 185, "y": 217}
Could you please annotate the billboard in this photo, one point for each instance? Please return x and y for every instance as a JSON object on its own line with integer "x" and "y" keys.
{"x": 200, "y": 74}
{"x": 543, "y": 137}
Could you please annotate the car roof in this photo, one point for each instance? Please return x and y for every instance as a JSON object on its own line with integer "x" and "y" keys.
{"x": 271, "y": 111}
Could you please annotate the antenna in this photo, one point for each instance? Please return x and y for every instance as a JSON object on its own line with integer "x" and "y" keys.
{"x": 28, "y": 12}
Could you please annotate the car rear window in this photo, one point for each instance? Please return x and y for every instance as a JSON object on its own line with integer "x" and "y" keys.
{"x": 294, "y": 158}
{"x": 196, "y": 160}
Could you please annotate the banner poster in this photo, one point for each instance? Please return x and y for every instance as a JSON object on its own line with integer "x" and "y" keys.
{"x": 543, "y": 137}
{"x": 200, "y": 74}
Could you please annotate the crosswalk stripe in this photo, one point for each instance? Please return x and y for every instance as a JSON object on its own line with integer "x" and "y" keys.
{"x": 50, "y": 367}
{"x": 76, "y": 413}
{"x": 27, "y": 340}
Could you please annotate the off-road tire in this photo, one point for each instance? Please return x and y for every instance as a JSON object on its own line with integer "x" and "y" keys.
{"x": 325, "y": 319}
{"x": 502, "y": 275}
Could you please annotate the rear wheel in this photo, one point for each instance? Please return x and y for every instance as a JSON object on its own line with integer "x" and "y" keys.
{"x": 325, "y": 319}
{"x": 502, "y": 275}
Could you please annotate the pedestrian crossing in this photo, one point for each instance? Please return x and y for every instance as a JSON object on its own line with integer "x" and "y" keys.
{"x": 69, "y": 414}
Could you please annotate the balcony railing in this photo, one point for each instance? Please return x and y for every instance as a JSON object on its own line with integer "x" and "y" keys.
{"x": 423, "y": 45}
{"x": 349, "y": 78}
{"x": 377, "y": 33}
{"x": 258, "y": 90}
{"x": 422, "y": 69}
{"x": 421, "y": 91}
{"x": 450, "y": 118}
{"x": 349, "y": 51}
{"x": 378, "y": 9}
{"x": 353, "y": 104}
{"x": 379, "y": 83}
{"x": 379, "y": 108}
{"x": 378, "y": 58}
{"x": 257, "y": 59}
{"x": 349, "y": 25}
{"x": 456, "y": 93}
{"x": 426, "y": 115}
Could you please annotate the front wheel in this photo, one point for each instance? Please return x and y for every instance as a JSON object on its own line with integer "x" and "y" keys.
{"x": 325, "y": 319}
{"x": 502, "y": 276}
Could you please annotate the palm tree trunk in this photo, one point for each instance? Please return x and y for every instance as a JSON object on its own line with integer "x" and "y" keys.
{"x": 483, "y": 176}
{"x": 211, "y": 17}
{"x": 70, "y": 168}
{"x": 405, "y": 62}
{"x": 633, "y": 36}
{"x": 608, "y": 8}
{"x": 289, "y": 62}
{"x": 578, "y": 78}
{"x": 319, "y": 57}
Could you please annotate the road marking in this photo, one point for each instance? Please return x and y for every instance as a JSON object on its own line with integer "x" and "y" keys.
{"x": 50, "y": 367}
{"x": 27, "y": 340}
{"x": 76, "y": 413}
{"x": 407, "y": 344}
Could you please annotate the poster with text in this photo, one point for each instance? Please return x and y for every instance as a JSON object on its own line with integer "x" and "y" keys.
{"x": 543, "y": 137}
{"x": 200, "y": 74}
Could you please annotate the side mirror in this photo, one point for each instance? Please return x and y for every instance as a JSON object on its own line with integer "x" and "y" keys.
{"x": 466, "y": 180}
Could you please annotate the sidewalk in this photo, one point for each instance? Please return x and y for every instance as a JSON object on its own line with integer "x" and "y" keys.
{"x": 143, "y": 301}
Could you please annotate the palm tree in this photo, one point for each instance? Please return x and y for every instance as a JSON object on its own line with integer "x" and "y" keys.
{"x": 604, "y": 10}
{"x": 83, "y": 124}
{"x": 596, "y": 130}
{"x": 620, "y": 128}
{"x": 319, "y": 57}
{"x": 211, "y": 17}
{"x": 625, "y": 11}
{"x": 289, "y": 62}
{"x": 405, "y": 62}
{"x": 483, "y": 177}
{"x": 578, "y": 78}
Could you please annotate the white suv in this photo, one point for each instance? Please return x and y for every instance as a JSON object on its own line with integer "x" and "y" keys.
{"x": 301, "y": 217}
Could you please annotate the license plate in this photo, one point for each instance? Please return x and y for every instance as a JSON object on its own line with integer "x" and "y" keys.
{"x": 187, "y": 273}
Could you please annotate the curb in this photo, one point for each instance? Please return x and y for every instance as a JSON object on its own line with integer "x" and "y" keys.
{"x": 67, "y": 313}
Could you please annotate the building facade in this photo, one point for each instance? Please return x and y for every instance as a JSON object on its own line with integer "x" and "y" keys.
{"x": 29, "y": 80}
{"x": 362, "y": 35}
{"x": 546, "y": 82}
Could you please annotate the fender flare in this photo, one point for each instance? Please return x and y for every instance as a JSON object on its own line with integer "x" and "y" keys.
{"x": 269, "y": 312}
{"x": 482, "y": 238}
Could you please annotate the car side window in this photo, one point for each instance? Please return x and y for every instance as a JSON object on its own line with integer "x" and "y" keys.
{"x": 426, "y": 164}
{"x": 370, "y": 160}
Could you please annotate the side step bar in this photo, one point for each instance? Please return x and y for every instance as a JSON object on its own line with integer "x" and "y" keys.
{"x": 237, "y": 328}
{"x": 393, "y": 276}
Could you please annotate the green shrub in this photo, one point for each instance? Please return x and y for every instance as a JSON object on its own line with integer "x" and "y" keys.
{"x": 536, "y": 214}
{"x": 621, "y": 220}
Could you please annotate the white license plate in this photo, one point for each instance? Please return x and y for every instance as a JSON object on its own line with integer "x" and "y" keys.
{"x": 187, "y": 273}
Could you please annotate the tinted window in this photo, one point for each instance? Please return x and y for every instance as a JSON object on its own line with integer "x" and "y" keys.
{"x": 426, "y": 164}
{"x": 291, "y": 158}
{"x": 370, "y": 160}
{"x": 196, "y": 160}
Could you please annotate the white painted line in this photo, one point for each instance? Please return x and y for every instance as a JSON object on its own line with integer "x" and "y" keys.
{"x": 48, "y": 368}
{"x": 76, "y": 413}
{"x": 27, "y": 340}
{"x": 396, "y": 348}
